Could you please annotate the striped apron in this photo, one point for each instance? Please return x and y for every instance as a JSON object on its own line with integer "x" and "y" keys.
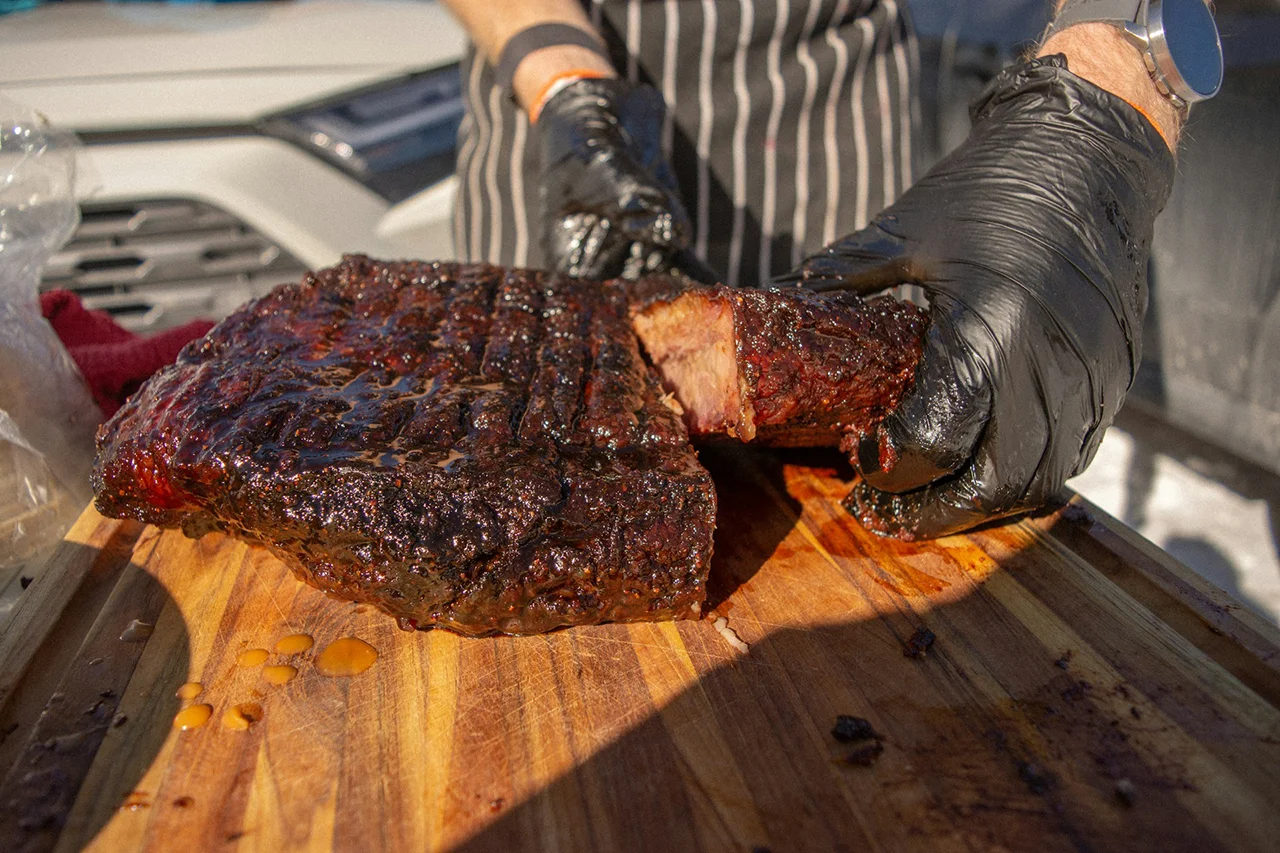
{"x": 789, "y": 125}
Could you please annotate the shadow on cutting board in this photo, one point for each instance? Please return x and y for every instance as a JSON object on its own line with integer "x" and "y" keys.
{"x": 68, "y": 709}
{"x": 741, "y": 549}
{"x": 1007, "y": 732}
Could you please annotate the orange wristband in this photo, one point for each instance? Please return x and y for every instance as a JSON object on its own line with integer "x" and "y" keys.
{"x": 1150, "y": 118}
{"x": 558, "y": 82}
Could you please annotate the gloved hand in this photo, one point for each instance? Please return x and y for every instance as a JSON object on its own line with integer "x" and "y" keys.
{"x": 1031, "y": 241}
{"x": 609, "y": 204}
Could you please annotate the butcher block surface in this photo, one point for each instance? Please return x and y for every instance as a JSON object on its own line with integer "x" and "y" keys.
{"x": 1082, "y": 691}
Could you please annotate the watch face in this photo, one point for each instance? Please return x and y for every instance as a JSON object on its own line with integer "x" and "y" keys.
{"x": 1191, "y": 39}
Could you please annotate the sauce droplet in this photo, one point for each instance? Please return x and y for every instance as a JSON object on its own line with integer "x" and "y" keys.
{"x": 279, "y": 674}
{"x": 240, "y": 717}
{"x": 190, "y": 690}
{"x": 252, "y": 657}
{"x": 192, "y": 717}
{"x": 345, "y": 657}
{"x": 294, "y": 644}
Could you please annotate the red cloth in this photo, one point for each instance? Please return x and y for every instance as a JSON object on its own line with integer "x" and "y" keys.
{"x": 114, "y": 361}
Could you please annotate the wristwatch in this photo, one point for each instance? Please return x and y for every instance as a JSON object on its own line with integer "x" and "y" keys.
{"x": 1178, "y": 40}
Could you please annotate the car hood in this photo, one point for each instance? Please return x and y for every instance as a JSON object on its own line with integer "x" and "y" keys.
{"x": 107, "y": 66}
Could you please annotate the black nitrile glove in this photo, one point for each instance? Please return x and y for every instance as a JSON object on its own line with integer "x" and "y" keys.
{"x": 1031, "y": 241}
{"x": 609, "y": 202}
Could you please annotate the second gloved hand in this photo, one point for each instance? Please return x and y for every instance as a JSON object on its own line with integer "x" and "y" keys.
{"x": 1032, "y": 242}
{"x": 609, "y": 204}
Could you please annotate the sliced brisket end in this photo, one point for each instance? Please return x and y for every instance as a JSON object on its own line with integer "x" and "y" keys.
{"x": 785, "y": 367}
{"x": 461, "y": 445}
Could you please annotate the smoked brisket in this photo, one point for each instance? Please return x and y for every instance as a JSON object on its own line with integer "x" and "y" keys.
{"x": 485, "y": 449}
{"x": 458, "y": 445}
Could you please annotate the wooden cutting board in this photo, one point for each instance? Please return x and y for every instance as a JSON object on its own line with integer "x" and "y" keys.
{"x": 1084, "y": 692}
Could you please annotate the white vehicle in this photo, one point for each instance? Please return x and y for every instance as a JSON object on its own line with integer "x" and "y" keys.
{"x": 228, "y": 147}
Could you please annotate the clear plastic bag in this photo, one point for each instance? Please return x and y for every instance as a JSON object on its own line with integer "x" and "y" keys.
{"x": 47, "y": 416}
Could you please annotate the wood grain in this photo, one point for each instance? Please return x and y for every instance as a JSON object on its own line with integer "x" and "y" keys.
{"x": 1084, "y": 692}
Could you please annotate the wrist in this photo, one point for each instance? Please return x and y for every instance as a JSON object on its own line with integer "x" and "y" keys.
{"x": 538, "y": 77}
{"x": 1097, "y": 52}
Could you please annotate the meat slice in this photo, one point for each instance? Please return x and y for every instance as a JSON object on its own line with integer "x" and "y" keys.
{"x": 785, "y": 367}
{"x": 459, "y": 445}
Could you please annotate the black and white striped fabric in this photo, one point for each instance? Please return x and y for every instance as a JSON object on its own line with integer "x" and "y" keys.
{"x": 790, "y": 125}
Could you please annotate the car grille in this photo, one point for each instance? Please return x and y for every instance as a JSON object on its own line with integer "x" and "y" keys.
{"x": 159, "y": 263}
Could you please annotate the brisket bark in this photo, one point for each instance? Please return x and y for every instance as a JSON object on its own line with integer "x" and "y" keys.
{"x": 486, "y": 449}
{"x": 459, "y": 445}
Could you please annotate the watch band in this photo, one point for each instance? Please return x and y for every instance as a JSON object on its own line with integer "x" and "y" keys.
{"x": 1108, "y": 11}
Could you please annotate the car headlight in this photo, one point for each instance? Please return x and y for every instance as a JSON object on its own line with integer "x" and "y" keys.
{"x": 396, "y": 139}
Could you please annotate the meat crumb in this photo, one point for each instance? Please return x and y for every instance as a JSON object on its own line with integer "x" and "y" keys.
{"x": 920, "y": 643}
{"x": 849, "y": 729}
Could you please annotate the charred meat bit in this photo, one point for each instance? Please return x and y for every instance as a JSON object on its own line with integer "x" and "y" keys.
{"x": 919, "y": 644}
{"x": 849, "y": 729}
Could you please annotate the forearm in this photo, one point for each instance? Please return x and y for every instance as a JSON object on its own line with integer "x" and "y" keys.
{"x": 492, "y": 23}
{"x": 1100, "y": 54}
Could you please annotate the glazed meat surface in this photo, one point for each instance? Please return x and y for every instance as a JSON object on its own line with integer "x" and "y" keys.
{"x": 460, "y": 445}
{"x": 785, "y": 367}
{"x": 487, "y": 450}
